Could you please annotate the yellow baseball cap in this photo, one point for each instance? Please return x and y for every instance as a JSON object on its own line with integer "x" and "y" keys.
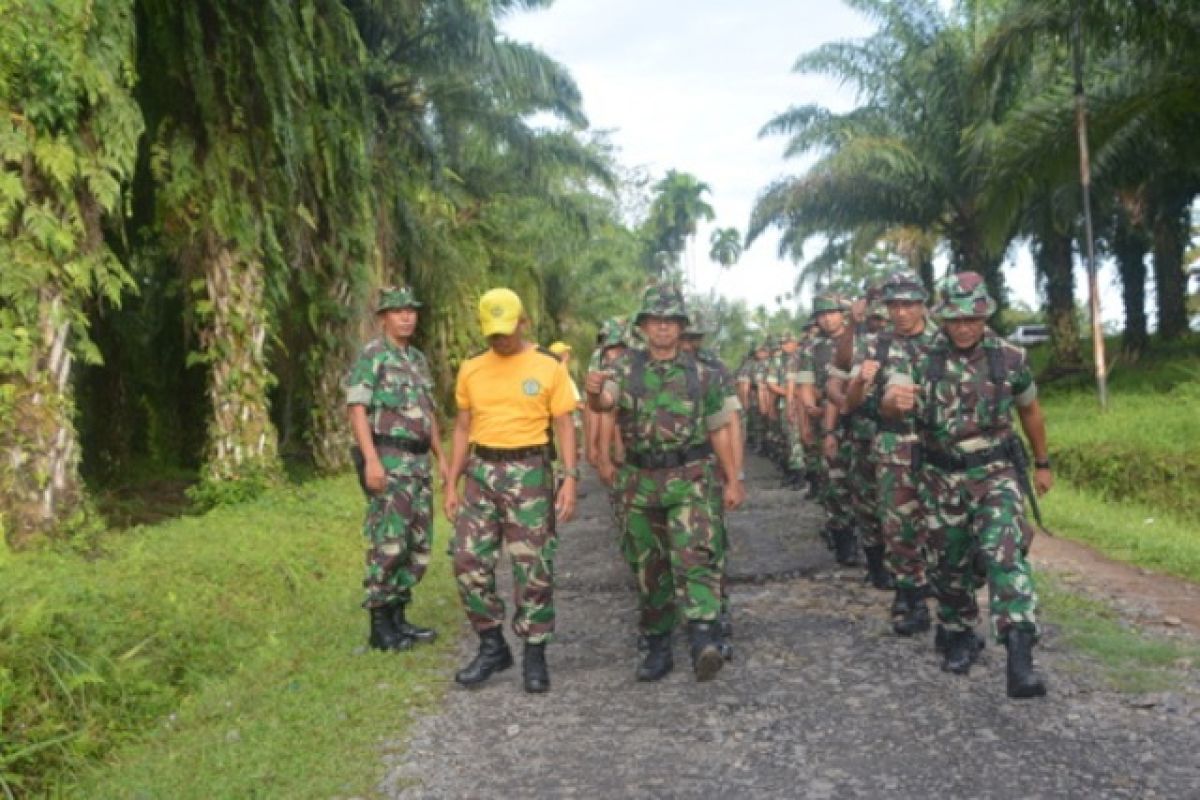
{"x": 558, "y": 348}
{"x": 500, "y": 311}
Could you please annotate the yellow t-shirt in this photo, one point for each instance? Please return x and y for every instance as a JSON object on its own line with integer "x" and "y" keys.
{"x": 513, "y": 398}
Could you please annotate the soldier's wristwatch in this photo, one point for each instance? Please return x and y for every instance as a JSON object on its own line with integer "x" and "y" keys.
{"x": 1042, "y": 464}
{"x": 572, "y": 472}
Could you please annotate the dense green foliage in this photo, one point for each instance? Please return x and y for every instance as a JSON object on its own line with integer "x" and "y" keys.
{"x": 245, "y": 619}
{"x": 199, "y": 201}
{"x": 963, "y": 142}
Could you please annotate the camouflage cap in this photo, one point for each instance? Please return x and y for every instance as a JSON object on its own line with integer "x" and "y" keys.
{"x": 391, "y": 297}
{"x": 873, "y": 286}
{"x": 963, "y": 295}
{"x": 788, "y": 336}
{"x": 878, "y": 309}
{"x": 765, "y": 344}
{"x": 607, "y": 327}
{"x": 827, "y": 301}
{"x": 614, "y": 336}
{"x": 903, "y": 285}
{"x": 662, "y": 301}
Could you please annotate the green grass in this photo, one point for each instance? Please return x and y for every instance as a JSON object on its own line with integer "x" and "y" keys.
{"x": 213, "y": 656}
{"x": 1131, "y": 660}
{"x": 1126, "y": 531}
{"x": 1144, "y": 447}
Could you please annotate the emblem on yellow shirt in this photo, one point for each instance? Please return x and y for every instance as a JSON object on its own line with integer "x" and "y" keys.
{"x": 531, "y": 387}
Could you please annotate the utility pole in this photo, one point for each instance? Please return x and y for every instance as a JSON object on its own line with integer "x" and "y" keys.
{"x": 1085, "y": 180}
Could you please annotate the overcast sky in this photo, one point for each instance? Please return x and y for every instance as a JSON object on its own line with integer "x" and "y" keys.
{"x": 687, "y": 84}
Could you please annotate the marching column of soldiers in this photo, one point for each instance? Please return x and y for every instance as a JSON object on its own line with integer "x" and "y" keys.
{"x": 893, "y": 412}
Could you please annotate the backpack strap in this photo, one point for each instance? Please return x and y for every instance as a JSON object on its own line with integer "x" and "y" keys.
{"x": 933, "y": 376}
{"x": 996, "y": 376}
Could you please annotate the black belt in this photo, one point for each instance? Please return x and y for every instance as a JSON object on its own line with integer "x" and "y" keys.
{"x": 510, "y": 453}
{"x": 671, "y": 458}
{"x": 416, "y": 446}
{"x": 956, "y": 462}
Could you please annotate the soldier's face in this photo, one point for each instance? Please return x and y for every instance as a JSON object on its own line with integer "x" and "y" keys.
{"x": 662, "y": 333}
{"x": 965, "y": 332}
{"x": 399, "y": 324}
{"x": 761, "y": 353}
{"x": 790, "y": 347}
{"x": 613, "y": 353}
{"x": 831, "y": 322}
{"x": 907, "y": 315}
{"x": 875, "y": 324}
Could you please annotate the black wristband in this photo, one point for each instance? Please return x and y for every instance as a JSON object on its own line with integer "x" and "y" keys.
{"x": 1042, "y": 464}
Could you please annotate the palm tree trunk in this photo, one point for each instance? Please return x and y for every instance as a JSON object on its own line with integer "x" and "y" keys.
{"x": 1130, "y": 245}
{"x": 1171, "y": 235}
{"x": 241, "y": 441}
{"x": 329, "y": 429}
{"x": 40, "y": 486}
{"x": 1054, "y": 260}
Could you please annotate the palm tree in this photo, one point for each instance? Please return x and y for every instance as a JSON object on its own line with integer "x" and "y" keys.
{"x": 909, "y": 156}
{"x": 66, "y": 74}
{"x": 677, "y": 209}
{"x": 725, "y": 246}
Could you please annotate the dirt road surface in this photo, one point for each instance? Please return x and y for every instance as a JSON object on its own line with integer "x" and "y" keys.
{"x": 820, "y": 701}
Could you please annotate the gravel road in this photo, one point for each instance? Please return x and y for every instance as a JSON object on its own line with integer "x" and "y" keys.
{"x": 821, "y": 700}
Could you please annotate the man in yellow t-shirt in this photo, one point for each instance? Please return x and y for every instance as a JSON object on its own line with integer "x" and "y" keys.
{"x": 509, "y": 397}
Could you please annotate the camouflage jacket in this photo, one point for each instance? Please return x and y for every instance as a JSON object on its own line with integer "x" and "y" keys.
{"x": 816, "y": 362}
{"x": 896, "y": 355}
{"x": 965, "y": 411}
{"x": 713, "y": 361}
{"x": 396, "y": 387}
{"x": 681, "y": 400}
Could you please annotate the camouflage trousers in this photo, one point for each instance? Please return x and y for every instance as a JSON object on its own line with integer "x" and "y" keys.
{"x": 507, "y": 504}
{"x": 717, "y": 500}
{"x": 677, "y": 541}
{"x": 905, "y": 533}
{"x": 863, "y": 491}
{"x": 835, "y": 485}
{"x": 979, "y": 514}
{"x": 399, "y": 532}
{"x": 795, "y": 447}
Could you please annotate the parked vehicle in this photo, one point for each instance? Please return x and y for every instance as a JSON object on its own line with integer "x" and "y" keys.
{"x": 1026, "y": 335}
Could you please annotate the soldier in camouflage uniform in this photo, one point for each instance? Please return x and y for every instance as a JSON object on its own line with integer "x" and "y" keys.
{"x": 816, "y": 369}
{"x": 672, "y": 415}
{"x": 610, "y": 350}
{"x": 962, "y": 395}
{"x": 692, "y": 342}
{"x": 756, "y": 426}
{"x": 389, "y": 395}
{"x": 509, "y": 398}
{"x": 903, "y": 531}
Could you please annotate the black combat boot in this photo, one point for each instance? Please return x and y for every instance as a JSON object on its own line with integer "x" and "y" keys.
{"x": 916, "y": 614}
{"x": 962, "y": 648}
{"x": 658, "y": 661}
{"x": 384, "y": 635}
{"x": 725, "y": 633}
{"x": 813, "y": 487}
{"x": 405, "y": 628}
{"x": 1023, "y": 682}
{"x": 705, "y": 645}
{"x": 494, "y": 656}
{"x": 845, "y": 546}
{"x": 940, "y": 637}
{"x": 877, "y": 573}
{"x": 537, "y": 676}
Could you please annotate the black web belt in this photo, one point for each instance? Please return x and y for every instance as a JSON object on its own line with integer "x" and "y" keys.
{"x": 510, "y": 453}
{"x": 960, "y": 462}
{"x": 415, "y": 446}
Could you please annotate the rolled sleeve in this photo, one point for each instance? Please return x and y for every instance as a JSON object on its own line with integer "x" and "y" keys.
{"x": 714, "y": 422}
{"x": 358, "y": 395}
{"x": 1025, "y": 399}
{"x": 806, "y": 376}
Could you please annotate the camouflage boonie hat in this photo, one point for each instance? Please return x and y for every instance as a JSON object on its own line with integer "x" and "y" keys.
{"x": 765, "y": 344}
{"x": 788, "y": 336}
{"x": 904, "y": 286}
{"x": 964, "y": 295}
{"x": 878, "y": 309}
{"x": 614, "y": 336}
{"x": 662, "y": 301}
{"x": 607, "y": 327}
{"x": 827, "y": 301}
{"x": 391, "y": 297}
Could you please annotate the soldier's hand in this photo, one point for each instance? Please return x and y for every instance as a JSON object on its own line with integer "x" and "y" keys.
{"x": 734, "y": 494}
{"x": 375, "y": 476}
{"x": 858, "y": 310}
{"x": 901, "y": 397}
{"x": 829, "y": 446}
{"x": 450, "y": 503}
{"x": 564, "y": 504}
{"x": 594, "y": 383}
{"x": 870, "y": 368}
{"x": 813, "y": 411}
{"x": 1043, "y": 481}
